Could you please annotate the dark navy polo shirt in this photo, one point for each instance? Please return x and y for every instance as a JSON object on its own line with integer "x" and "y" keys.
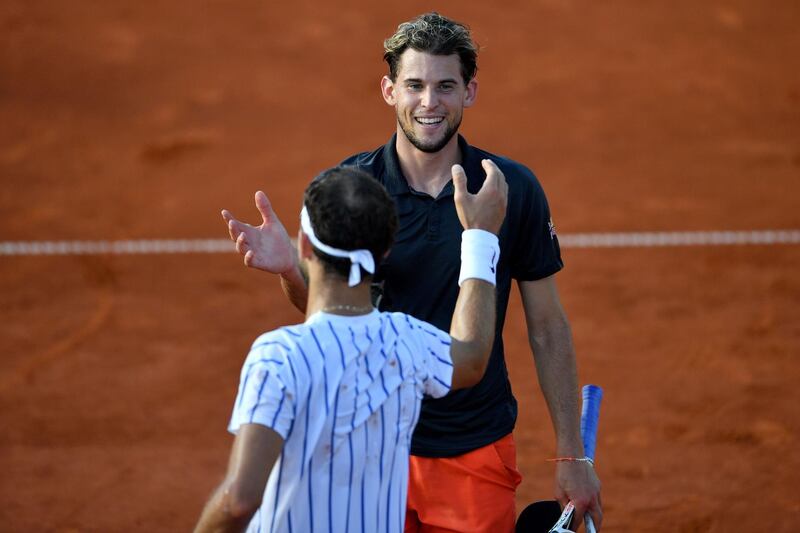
{"x": 420, "y": 277}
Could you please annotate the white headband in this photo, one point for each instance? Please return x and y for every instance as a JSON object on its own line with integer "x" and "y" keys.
{"x": 358, "y": 258}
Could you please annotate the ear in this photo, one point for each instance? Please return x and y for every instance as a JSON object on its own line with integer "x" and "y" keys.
{"x": 387, "y": 91}
{"x": 471, "y": 94}
{"x": 304, "y": 247}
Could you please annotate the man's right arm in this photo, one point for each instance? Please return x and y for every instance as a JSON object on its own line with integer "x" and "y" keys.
{"x": 268, "y": 247}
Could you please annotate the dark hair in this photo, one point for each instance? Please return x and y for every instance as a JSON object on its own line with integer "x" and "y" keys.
{"x": 434, "y": 34}
{"x": 350, "y": 210}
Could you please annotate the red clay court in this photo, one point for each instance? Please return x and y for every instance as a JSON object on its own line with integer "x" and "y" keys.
{"x": 126, "y": 121}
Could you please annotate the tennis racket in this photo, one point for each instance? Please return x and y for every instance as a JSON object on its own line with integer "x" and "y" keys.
{"x": 547, "y": 516}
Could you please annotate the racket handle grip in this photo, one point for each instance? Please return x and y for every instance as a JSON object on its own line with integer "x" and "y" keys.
{"x": 590, "y": 415}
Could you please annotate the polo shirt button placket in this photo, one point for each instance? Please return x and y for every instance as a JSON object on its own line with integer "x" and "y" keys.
{"x": 434, "y": 220}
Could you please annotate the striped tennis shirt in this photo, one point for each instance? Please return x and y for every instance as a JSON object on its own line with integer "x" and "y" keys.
{"x": 344, "y": 392}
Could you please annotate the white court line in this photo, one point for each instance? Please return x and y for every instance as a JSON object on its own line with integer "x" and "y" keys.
{"x": 574, "y": 240}
{"x": 678, "y": 238}
{"x": 145, "y": 246}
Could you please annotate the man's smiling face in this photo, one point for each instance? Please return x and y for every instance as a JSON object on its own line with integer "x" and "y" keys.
{"x": 429, "y": 97}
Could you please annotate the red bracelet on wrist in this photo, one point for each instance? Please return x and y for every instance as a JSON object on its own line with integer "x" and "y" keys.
{"x": 572, "y": 459}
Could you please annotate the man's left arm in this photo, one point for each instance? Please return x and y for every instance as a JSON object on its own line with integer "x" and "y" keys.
{"x": 235, "y": 501}
{"x": 550, "y": 338}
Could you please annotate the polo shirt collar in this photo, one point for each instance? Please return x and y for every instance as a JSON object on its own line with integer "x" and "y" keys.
{"x": 396, "y": 183}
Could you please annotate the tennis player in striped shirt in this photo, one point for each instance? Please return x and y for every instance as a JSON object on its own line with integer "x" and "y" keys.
{"x": 325, "y": 409}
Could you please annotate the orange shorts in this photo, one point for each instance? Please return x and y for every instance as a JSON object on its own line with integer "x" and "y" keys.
{"x": 470, "y": 493}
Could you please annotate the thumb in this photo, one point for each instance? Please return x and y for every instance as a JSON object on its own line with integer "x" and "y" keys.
{"x": 264, "y": 207}
{"x": 459, "y": 180}
{"x": 491, "y": 169}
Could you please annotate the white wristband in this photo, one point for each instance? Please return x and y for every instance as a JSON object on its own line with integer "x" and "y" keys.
{"x": 480, "y": 251}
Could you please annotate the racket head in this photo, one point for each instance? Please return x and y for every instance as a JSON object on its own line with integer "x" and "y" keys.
{"x": 539, "y": 517}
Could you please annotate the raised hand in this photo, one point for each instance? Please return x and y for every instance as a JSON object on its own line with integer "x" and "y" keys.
{"x": 266, "y": 247}
{"x": 485, "y": 210}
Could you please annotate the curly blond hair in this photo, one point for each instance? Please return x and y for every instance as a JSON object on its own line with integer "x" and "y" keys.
{"x": 434, "y": 34}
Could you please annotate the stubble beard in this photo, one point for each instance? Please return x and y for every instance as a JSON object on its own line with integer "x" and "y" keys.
{"x": 429, "y": 147}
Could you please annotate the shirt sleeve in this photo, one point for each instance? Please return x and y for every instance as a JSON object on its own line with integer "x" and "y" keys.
{"x": 434, "y": 351}
{"x": 536, "y": 253}
{"x": 267, "y": 389}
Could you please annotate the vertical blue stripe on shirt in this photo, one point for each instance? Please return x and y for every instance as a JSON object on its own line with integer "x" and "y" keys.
{"x": 277, "y": 411}
{"x": 242, "y": 389}
{"x": 389, "y": 502}
{"x": 416, "y": 403}
{"x": 366, "y": 332}
{"x": 397, "y": 352}
{"x": 380, "y": 463}
{"x": 294, "y": 403}
{"x": 352, "y": 428}
{"x": 383, "y": 383}
{"x": 391, "y": 468}
{"x": 333, "y": 443}
{"x": 335, "y": 336}
{"x": 330, "y": 462}
{"x": 399, "y": 411}
{"x": 258, "y": 399}
{"x": 324, "y": 370}
{"x": 310, "y": 499}
{"x": 366, "y": 429}
{"x": 349, "y": 480}
{"x": 366, "y": 365}
{"x": 308, "y": 410}
{"x": 356, "y": 392}
{"x": 363, "y": 475}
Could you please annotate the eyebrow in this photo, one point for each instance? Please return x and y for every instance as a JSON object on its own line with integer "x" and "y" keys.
{"x": 419, "y": 80}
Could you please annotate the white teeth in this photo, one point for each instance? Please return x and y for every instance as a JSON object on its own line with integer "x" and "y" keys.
{"x": 426, "y": 120}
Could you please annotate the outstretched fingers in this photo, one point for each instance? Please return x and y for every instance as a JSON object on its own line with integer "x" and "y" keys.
{"x": 264, "y": 207}
{"x": 495, "y": 179}
{"x": 232, "y": 224}
{"x": 237, "y": 229}
{"x": 241, "y": 244}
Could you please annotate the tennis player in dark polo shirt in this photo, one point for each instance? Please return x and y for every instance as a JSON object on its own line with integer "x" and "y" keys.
{"x": 463, "y": 471}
